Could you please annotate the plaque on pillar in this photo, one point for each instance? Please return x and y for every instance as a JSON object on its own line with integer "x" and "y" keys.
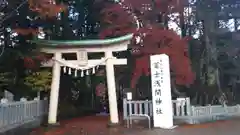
{"x": 82, "y": 57}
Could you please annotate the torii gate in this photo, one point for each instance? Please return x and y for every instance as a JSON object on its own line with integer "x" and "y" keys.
{"x": 84, "y": 65}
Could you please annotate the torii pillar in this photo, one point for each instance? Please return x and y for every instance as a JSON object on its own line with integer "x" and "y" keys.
{"x": 54, "y": 94}
{"x": 114, "y": 119}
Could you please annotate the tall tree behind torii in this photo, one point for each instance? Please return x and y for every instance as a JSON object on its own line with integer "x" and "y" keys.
{"x": 154, "y": 35}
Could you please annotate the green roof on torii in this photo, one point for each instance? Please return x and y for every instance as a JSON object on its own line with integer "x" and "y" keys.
{"x": 87, "y": 42}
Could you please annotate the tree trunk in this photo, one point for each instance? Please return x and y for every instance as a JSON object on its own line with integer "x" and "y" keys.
{"x": 212, "y": 73}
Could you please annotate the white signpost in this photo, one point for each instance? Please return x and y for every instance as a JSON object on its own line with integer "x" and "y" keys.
{"x": 161, "y": 92}
{"x": 129, "y": 95}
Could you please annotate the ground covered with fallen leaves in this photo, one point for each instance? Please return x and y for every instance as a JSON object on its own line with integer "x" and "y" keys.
{"x": 97, "y": 125}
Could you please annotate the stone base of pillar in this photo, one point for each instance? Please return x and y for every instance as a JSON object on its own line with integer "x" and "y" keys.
{"x": 54, "y": 125}
{"x": 113, "y": 125}
{"x": 51, "y": 125}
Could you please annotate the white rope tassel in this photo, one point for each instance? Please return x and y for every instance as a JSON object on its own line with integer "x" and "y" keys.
{"x": 75, "y": 72}
{"x": 64, "y": 69}
{"x": 69, "y": 71}
{"x": 68, "y": 64}
{"x": 82, "y": 74}
{"x": 93, "y": 70}
{"x": 87, "y": 73}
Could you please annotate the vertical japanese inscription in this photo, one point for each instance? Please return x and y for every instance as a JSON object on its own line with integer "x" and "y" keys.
{"x": 161, "y": 91}
{"x": 156, "y": 78}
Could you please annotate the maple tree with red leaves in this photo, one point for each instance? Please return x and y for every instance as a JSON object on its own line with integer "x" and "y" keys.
{"x": 45, "y": 9}
{"x": 35, "y": 61}
{"x": 153, "y": 35}
{"x": 156, "y": 38}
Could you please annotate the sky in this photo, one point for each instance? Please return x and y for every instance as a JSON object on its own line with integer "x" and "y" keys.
{"x": 173, "y": 25}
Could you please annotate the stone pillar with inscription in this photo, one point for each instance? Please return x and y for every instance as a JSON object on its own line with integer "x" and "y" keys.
{"x": 161, "y": 91}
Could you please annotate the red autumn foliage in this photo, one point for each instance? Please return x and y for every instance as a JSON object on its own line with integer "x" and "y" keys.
{"x": 155, "y": 39}
{"x": 29, "y": 63}
{"x": 165, "y": 42}
{"x": 46, "y": 8}
{"x": 33, "y": 61}
{"x": 42, "y": 57}
{"x": 28, "y": 31}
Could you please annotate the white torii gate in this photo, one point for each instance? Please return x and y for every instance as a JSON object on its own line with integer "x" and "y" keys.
{"x": 108, "y": 46}
{"x": 81, "y": 48}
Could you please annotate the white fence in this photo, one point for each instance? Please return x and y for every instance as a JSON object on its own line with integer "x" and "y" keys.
{"x": 15, "y": 114}
{"x": 134, "y": 107}
{"x": 210, "y": 113}
{"x": 182, "y": 110}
